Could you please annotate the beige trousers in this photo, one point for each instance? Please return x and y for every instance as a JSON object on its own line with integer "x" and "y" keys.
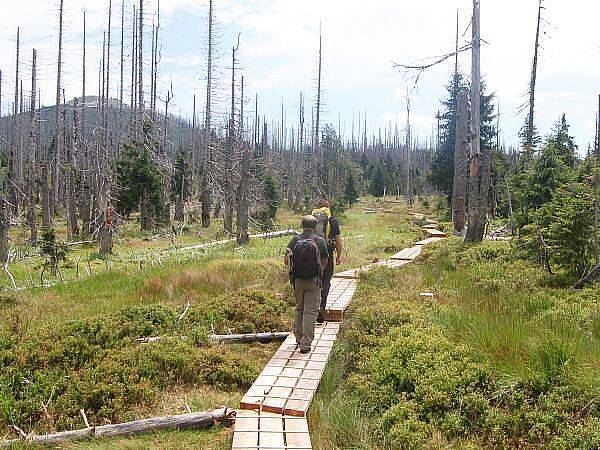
{"x": 308, "y": 301}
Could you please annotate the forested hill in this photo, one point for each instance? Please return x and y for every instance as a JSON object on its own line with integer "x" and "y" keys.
{"x": 179, "y": 129}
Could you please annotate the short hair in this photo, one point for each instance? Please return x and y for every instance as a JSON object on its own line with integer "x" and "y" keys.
{"x": 309, "y": 222}
{"x": 323, "y": 203}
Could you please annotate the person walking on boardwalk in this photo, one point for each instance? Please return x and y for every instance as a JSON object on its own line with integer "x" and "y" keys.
{"x": 307, "y": 256}
{"x": 328, "y": 228}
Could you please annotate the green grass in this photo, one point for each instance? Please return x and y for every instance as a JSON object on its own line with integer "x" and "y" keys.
{"x": 46, "y": 336}
{"x": 504, "y": 356}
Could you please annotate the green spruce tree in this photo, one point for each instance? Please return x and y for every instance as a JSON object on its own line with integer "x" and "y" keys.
{"x": 350, "y": 190}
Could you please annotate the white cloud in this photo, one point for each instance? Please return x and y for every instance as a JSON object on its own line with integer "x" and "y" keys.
{"x": 279, "y": 49}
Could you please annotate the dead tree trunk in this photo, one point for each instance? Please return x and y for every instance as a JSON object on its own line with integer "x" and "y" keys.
{"x": 4, "y": 228}
{"x": 479, "y": 167}
{"x": 14, "y": 141}
{"x": 409, "y": 184}
{"x": 192, "y": 420}
{"x": 140, "y": 80}
{"x": 230, "y": 151}
{"x": 46, "y": 218}
{"x": 461, "y": 152}
{"x": 303, "y": 157}
{"x": 168, "y": 168}
{"x": 597, "y": 190}
{"x": 107, "y": 86}
{"x": 316, "y": 142}
{"x": 58, "y": 128}
{"x": 84, "y": 185}
{"x": 243, "y": 208}
{"x": 32, "y": 152}
{"x": 205, "y": 191}
{"x": 72, "y": 225}
{"x": 529, "y": 136}
{"x": 121, "y": 87}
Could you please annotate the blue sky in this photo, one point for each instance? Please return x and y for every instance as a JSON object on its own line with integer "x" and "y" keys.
{"x": 278, "y": 54}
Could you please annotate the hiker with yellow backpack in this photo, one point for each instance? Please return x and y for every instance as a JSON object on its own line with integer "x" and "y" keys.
{"x": 328, "y": 228}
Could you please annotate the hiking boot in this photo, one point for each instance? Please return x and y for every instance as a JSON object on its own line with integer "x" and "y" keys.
{"x": 305, "y": 350}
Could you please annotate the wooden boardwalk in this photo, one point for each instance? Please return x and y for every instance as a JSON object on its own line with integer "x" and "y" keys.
{"x": 273, "y": 412}
{"x": 341, "y": 294}
{"x": 408, "y": 254}
{"x": 289, "y": 381}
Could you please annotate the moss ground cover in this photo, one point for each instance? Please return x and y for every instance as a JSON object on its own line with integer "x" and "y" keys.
{"x": 504, "y": 356}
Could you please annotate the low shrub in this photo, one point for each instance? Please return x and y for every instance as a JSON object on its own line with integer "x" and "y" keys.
{"x": 497, "y": 360}
{"x": 98, "y": 365}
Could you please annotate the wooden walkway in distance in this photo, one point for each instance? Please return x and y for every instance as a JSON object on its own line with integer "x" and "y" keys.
{"x": 408, "y": 254}
{"x": 341, "y": 294}
{"x": 273, "y": 412}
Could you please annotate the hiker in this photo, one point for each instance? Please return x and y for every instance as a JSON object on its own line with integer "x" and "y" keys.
{"x": 328, "y": 228}
{"x": 307, "y": 256}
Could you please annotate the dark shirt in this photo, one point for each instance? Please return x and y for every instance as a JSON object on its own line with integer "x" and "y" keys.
{"x": 321, "y": 244}
{"x": 335, "y": 228}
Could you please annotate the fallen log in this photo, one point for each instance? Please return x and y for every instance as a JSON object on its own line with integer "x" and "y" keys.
{"x": 250, "y": 337}
{"x": 204, "y": 419}
{"x": 154, "y": 339}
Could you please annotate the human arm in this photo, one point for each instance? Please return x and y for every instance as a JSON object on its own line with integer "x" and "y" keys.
{"x": 339, "y": 248}
{"x": 338, "y": 241}
{"x": 288, "y": 253}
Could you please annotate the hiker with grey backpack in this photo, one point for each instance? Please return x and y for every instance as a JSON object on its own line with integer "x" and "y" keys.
{"x": 307, "y": 257}
{"x": 328, "y": 228}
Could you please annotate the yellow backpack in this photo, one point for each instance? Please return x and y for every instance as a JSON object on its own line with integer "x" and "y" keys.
{"x": 323, "y": 228}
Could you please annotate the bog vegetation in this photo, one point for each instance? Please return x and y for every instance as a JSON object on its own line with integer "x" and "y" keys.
{"x": 503, "y": 356}
{"x": 110, "y": 205}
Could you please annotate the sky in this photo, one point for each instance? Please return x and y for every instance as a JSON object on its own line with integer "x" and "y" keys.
{"x": 278, "y": 55}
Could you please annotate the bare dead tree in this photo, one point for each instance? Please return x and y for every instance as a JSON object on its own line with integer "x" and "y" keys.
{"x": 140, "y": 80}
{"x": 32, "y": 152}
{"x": 409, "y": 182}
{"x": 461, "y": 163}
{"x": 479, "y": 172}
{"x": 71, "y": 197}
{"x": 58, "y": 128}
{"x": 305, "y": 157}
{"x": 230, "y": 149}
{"x": 168, "y": 168}
{"x": 4, "y": 228}
{"x": 597, "y": 185}
{"x": 84, "y": 185}
{"x": 121, "y": 87}
{"x": 14, "y": 141}
{"x": 316, "y": 139}
{"x": 133, "y": 114}
{"x": 205, "y": 190}
{"x": 106, "y": 94}
{"x": 243, "y": 207}
{"x": 530, "y": 127}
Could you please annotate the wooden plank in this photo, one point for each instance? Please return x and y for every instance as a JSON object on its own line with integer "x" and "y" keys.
{"x": 295, "y": 425}
{"x": 408, "y": 254}
{"x": 350, "y": 274}
{"x": 273, "y": 440}
{"x": 297, "y": 407}
{"x": 245, "y": 439}
{"x": 298, "y": 440}
{"x": 430, "y": 240}
{"x": 334, "y": 315}
{"x": 436, "y": 233}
